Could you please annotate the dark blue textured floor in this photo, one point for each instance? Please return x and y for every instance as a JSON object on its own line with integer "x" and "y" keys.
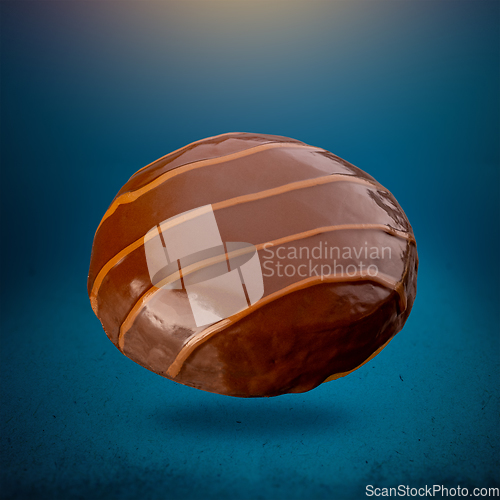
{"x": 93, "y": 91}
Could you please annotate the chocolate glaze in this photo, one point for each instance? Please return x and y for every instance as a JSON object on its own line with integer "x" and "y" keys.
{"x": 271, "y": 192}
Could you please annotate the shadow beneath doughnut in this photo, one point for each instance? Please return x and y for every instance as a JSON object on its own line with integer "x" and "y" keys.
{"x": 254, "y": 418}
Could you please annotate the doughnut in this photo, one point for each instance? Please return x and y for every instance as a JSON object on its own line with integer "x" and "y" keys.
{"x": 252, "y": 265}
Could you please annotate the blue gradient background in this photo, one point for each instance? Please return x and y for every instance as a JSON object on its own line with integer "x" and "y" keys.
{"x": 92, "y": 91}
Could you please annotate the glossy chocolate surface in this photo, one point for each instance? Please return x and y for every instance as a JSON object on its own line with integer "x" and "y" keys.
{"x": 279, "y": 195}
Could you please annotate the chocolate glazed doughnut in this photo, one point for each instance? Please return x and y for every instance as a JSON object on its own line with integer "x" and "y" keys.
{"x": 252, "y": 265}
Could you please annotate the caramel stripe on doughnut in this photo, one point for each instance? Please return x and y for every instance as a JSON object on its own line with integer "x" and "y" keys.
{"x": 287, "y": 239}
{"x": 197, "y": 340}
{"x": 195, "y": 143}
{"x": 204, "y": 150}
{"x": 226, "y": 204}
{"x": 268, "y": 138}
{"x": 133, "y": 195}
{"x": 141, "y": 302}
{"x": 209, "y": 332}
